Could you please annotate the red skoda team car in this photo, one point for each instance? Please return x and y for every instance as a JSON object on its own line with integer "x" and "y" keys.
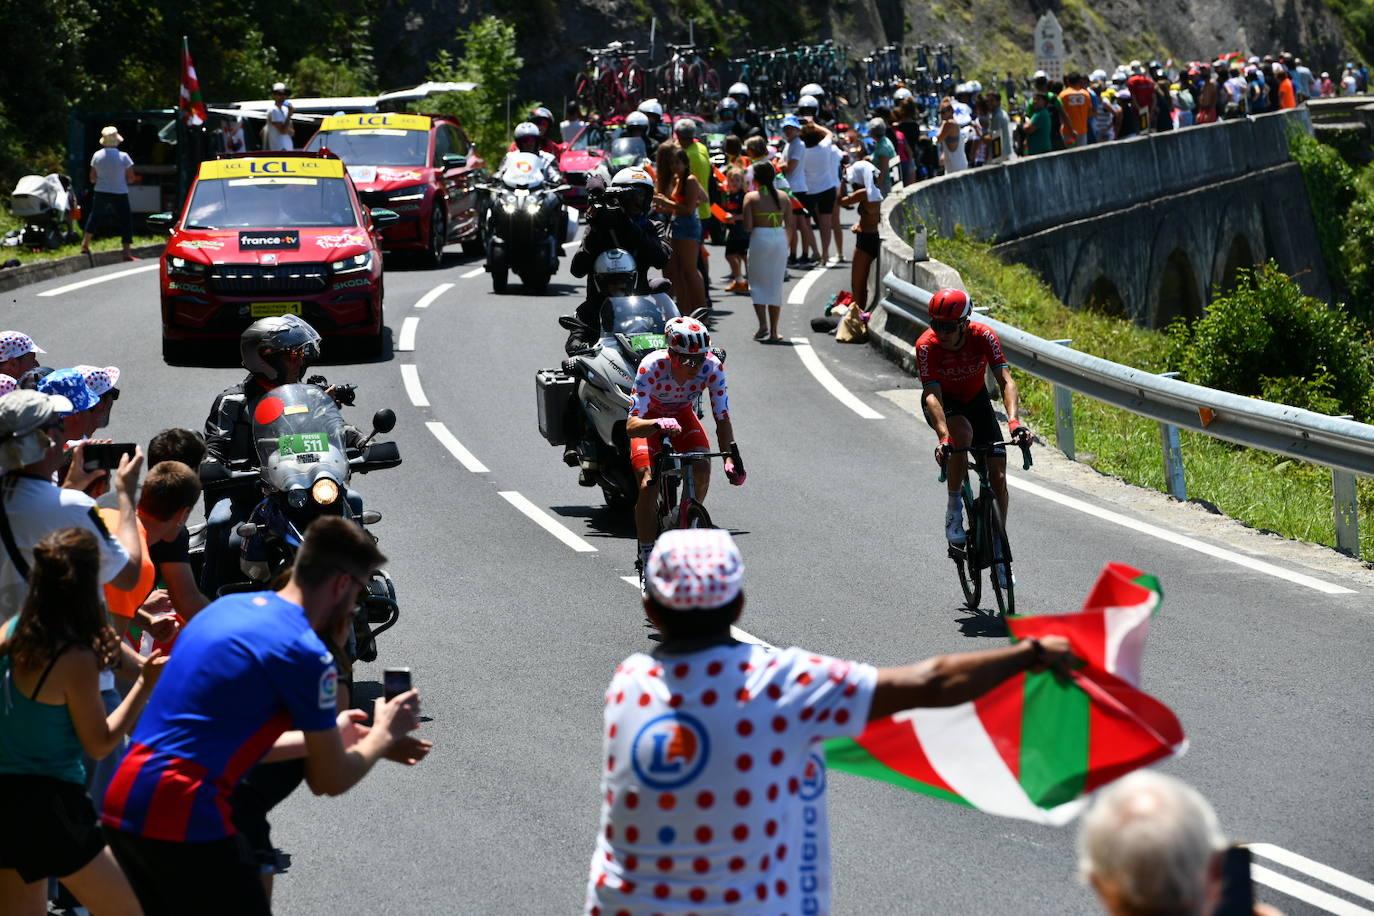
{"x": 420, "y": 166}
{"x": 263, "y": 234}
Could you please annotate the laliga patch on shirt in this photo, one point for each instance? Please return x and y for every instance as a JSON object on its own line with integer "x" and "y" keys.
{"x": 329, "y": 688}
{"x": 258, "y": 240}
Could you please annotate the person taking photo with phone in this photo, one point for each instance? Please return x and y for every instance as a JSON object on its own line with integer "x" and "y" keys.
{"x": 251, "y": 680}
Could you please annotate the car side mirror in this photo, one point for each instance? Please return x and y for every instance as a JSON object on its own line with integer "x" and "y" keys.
{"x": 381, "y": 216}
{"x": 161, "y": 221}
{"x": 454, "y": 160}
{"x": 384, "y": 420}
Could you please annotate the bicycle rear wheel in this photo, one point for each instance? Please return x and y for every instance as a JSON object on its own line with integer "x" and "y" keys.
{"x": 966, "y": 558}
{"x": 999, "y": 567}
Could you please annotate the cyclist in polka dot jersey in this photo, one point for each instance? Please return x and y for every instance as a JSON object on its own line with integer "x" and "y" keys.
{"x": 712, "y": 782}
{"x": 665, "y": 393}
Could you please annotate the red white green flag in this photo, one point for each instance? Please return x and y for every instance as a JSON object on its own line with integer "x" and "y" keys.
{"x": 1038, "y": 744}
{"x": 191, "y": 104}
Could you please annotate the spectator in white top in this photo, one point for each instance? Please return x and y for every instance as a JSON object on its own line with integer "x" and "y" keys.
{"x": 112, "y": 171}
{"x": 280, "y": 132}
{"x": 821, "y": 167}
{"x": 712, "y": 785}
{"x": 796, "y": 186}
{"x": 18, "y": 353}
{"x": 1151, "y": 845}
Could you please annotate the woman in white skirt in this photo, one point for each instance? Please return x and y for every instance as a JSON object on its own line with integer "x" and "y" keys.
{"x": 768, "y": 220}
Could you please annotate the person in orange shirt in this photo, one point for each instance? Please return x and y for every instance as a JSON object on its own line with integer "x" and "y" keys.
{"x": 1077, "y": 104}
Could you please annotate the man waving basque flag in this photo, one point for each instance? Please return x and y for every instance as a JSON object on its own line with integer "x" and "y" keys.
{"x": 1037, "y": 744}
{"x": 191, "y": 103}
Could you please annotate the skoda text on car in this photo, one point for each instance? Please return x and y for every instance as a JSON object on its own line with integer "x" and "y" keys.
{"x": 271, "y": 234}
{"x": 420, "y": 166}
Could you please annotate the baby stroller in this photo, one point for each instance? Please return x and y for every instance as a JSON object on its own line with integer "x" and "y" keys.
{"x": 47, "y": 207}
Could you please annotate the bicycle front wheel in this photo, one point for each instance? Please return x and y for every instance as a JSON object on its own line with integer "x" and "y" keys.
{"x": 999, "y": 569}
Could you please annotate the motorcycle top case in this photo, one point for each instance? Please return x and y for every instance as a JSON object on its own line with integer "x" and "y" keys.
{"x": 554, "y": 392}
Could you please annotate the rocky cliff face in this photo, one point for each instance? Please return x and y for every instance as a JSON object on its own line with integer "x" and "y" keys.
{"x": 990, "y": 36}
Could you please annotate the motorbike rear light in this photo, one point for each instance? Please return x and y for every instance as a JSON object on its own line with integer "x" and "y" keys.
{"x": 324, "y": 491}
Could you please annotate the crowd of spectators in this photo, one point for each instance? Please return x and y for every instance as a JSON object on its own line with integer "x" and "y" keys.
{"x": 109, "y": 785}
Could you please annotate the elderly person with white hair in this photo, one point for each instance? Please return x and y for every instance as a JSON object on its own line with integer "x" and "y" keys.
{"x": 1152, "y": 846}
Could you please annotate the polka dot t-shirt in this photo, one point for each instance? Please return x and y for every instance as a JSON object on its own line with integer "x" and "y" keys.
{"x": 657, "y": 393}
{"x": 710, "y": 781}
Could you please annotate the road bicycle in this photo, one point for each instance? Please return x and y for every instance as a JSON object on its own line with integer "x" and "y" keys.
{"x": 686, "y": 80}
{"x": 673, "y": 470}
{"x": 985, "y": 542}
{"x": 611, "y": 82}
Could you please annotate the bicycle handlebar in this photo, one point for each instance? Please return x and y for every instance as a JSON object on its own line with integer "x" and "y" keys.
{"x": 1025, "y": 447}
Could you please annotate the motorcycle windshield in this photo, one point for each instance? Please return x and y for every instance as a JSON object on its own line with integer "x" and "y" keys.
{"x": 299, "y": 433}
{"x": 640, "y": 319}
{"x": 522, "y": 170}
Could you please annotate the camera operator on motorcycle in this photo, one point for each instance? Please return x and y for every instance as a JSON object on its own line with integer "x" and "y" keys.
{"x": 276, "y": 351}
{"x": 666, "y": 389}
{"x": 527, "y": 140}
{"x": 541, "y": 119}
{"x": 617, "y": 217}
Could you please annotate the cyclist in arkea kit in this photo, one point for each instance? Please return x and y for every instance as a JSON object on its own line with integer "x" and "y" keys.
{"x": 952, "y": 358}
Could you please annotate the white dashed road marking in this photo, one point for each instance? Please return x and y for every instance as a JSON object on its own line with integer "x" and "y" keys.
{"x": 411, "y": 377}
{"x": 546, "y": 521}
{"x": 70, "y": 287}
{"x": 842, "y": 394}
{"x": 407, "y": 341}
{"x": 428, "y": 298}
{"x": 466, "y": 458}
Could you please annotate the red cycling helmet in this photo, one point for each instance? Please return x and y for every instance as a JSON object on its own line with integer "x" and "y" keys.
{"x": 950, "y": 305}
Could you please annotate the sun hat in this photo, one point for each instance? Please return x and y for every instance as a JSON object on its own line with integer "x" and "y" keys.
{"x": 22, "y": 414}
{"x": 694, "y": 569}
{"x": 14, "y": 344}
{"x": 109, "y": 136}
{"x": 98, "y": 379}
{"x": 71, "y": 385}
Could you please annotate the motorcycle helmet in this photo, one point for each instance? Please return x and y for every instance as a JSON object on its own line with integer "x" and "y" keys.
{"x": 738, "y": 92}
{"x": 950, "y": 305}
{"x": 814, "y": 90}
{"x": 639, "y": 180}
{"x": 637, "y": 119}
{"x": 651, "y": 107}
{"x": 266, "y": 343}
{"x": 616, "y": 272}
{"x": 686, "y": 335}
{"x": 728, "y": 108}
{"x": 526, "y": 137}
{"x": 807, "y": 105}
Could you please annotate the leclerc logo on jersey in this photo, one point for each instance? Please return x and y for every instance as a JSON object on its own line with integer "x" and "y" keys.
{"x": 261, "y": 241}
{"x": 670, "y": 751}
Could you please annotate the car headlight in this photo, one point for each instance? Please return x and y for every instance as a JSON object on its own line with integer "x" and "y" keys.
{"x": 187, "y": 268}
{"x": 324, "y": 491}
{"x": 355, "y": 264}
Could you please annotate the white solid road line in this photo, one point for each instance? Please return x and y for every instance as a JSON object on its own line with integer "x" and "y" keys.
{"x": 407, "y": 341}
{"x": 475, "y": 272}
{"x": 741, "y": 635}
{"x": 428, "y": 298}
{"x": 798, "y": 294}
{"x": 842, "y": 394}
{"x": 1318, "y": 898}
{"x": 455, "y": 448}
{"x": 411, "y": 376}
{"x": 1334, "y": 877}
{"x": 70, "y": 287}
{"x": 1182, "y": 540}
{"x": 546, "y": 521}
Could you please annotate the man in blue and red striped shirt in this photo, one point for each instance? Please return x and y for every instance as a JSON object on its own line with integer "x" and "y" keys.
{"x": 249, "y": 679}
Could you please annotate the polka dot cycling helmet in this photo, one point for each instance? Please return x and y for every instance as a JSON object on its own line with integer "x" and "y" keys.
{"x": 950, "y": 305}
{"x": 686, "y": 335}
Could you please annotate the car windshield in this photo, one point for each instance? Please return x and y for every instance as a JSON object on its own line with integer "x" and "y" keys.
{"x": 633, "y": 315}
{"x": 233, "y": 203}
{"x": 375, "y": 146}
{"x": 299, "y": 433}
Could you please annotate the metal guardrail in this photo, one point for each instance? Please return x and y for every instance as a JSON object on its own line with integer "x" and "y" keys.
{"x": 1345, "y": 446}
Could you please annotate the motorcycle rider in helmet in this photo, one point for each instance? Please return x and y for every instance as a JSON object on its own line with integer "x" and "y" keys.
{"x": 542, "y": 121}
{"x": 621, "y": 223}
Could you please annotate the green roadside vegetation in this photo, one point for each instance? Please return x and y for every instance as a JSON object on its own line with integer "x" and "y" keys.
{"x": 1265, "y": 491}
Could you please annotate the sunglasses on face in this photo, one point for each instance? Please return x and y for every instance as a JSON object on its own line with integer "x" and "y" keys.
{"x": 945, "y": 327}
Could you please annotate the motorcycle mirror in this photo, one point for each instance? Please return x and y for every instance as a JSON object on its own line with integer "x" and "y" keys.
{"x": 384, "y": 420}
{"x": 247, "y": 530}
{"x": 371, "y": 517}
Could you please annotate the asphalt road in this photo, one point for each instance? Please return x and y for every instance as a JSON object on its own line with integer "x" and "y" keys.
{"x": 512, "y": 634}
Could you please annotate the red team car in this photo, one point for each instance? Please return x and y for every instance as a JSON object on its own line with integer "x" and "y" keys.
{"x": 261, "y": 234}
{"x": 420, "y": 166}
